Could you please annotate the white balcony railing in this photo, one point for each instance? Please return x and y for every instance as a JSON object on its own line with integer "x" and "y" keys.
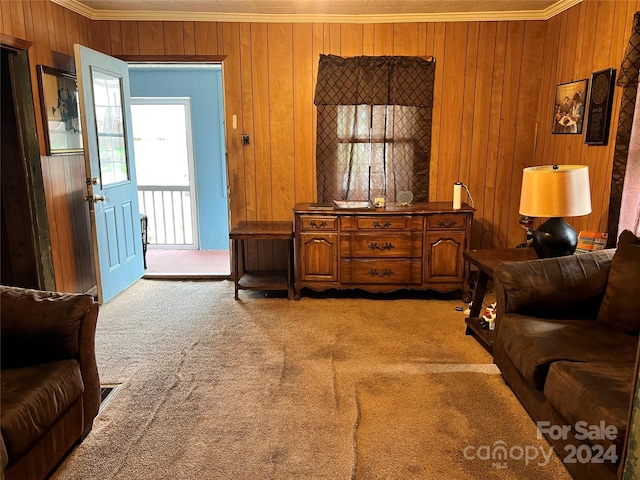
{"x": 168, "y": 210}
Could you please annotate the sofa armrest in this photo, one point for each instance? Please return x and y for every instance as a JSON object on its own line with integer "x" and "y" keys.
{"x": 89, "y": 367}
{"x": 563, "y": 287}
{"x": 39, "y": 327}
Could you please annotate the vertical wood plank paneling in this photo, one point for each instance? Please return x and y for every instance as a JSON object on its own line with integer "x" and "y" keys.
{"x": 468, "y": 102}
{"x": 510, "y": 105}
{"x": 530, "y": 78}
{"x": 482, "y": 79}
{"x": 453, "y": 78}
{"x": 383, "y": 39}
{"x": 334, "y": 38}
{"x": 173, "y": 38}
{"x": 246, "y": 123}
{"x": 206, "y": 35}
{"x": 600, "y": 176}
{"x": 17, "y": 19}
{"x": 281, "y": 113}
{"x": 303, "y": 120}
{"x": 499, "y": 82}
{"x": 262, "y": 128}
{"x": 280, "y": 54}
{"x": 73, "y": 34}
{"x": 599, "y": 45}
{"x": 5, "y": 19}
{"x": 367, "y": 39}
{"x": 56, "y": 247}
{"x": 318, "y": 33}
{"x": 130, "y": 39}
{"x": 436, "y": 126}
{"x": 189, "y": 38}
{"x": 101, "y": 36}
{"x": 492, "y": 239}
{"x": 151, "y": 38}
{"x": 233, "y": 106}
{"x": 351, "y": 40}
{"x": 64, "y": 60}
{"x": 116, "y": 37}
{"x": 406, "y": 39}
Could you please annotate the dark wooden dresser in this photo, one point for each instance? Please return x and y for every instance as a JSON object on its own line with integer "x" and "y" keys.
{"x": 418, "y": 247}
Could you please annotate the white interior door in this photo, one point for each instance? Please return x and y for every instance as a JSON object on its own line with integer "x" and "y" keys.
{"x": 103, "y": 88}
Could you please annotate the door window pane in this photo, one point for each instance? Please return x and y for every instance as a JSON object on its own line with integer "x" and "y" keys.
{"x": 107, "y": 99}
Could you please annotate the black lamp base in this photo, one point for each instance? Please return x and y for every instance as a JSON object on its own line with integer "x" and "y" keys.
{"x": 554, "y": 238}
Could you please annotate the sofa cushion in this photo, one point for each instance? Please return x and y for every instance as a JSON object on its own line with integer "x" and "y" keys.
{"x": 619, "y": 309}
{"x": 533, "y": 344}
{"x": 33, "y": 398}
{"x": 592, "y": 392}
{"x": 38, "y": 327}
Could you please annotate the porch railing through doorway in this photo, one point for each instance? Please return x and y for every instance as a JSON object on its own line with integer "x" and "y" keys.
{"x": 168, "y": 210}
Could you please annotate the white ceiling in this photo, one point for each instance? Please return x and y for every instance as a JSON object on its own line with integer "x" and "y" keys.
{"x": 346, "y": 11}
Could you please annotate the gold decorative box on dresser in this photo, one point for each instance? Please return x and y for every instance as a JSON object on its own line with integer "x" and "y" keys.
{"x": 418, "y": 247}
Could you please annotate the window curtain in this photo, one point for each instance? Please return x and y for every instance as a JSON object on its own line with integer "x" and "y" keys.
{"x": 628, "y": 80}
{"x": 374, "y": 127}
{"x": 630, "y": 201}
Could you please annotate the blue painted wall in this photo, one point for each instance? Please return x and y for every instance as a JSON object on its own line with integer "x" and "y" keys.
{"x": 204, "y": 87}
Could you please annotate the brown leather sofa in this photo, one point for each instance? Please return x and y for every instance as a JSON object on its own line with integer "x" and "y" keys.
{"x": 50, "y": 386}
{"x": 566, "y": 342}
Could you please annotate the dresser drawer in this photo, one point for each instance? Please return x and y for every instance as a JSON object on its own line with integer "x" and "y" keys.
{"x": 381, "y": 223}
{"x": 450, "y": 221}
{"x": 384, "y": 271}
{"x": 318, "y": 222}
{"x": 407, "y": 244}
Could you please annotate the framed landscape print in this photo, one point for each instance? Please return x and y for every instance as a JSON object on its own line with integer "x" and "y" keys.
{"x": 599, "y": 112}
{"x": 569, "y": 107}
{"x": 60, "y": 113}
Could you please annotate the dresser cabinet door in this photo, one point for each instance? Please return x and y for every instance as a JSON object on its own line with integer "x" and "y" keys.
{"x": 444, "y": 257}
{"x": 319, "y": 257}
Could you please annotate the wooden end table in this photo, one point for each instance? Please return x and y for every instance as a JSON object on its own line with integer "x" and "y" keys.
{"x": 487, "y": 261}
{"x": 261, "y": 279}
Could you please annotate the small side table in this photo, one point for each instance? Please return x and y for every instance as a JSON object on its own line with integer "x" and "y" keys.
{"x": 261, "y": 280}
{"x": 487, "y": 261}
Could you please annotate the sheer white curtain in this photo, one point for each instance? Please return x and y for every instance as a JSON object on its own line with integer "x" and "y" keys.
{"x": 630, "y": 204}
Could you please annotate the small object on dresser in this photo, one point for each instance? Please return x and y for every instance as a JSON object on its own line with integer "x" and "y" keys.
{"x": 379, "y": 202}
{"x": 404, "y": 198}
{"x": 320, "y": 206}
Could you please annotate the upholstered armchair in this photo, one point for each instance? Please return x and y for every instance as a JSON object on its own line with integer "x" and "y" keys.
{"x": 50, "y": 386}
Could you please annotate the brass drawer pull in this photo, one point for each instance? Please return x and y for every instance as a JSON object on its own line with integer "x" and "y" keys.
{"x": 387, "y": 246}
{"x": 442, "y": 223}
{"x": 315, "y": 225}
{"x": 387, "y": 272}
{"x": 378, "y": 225}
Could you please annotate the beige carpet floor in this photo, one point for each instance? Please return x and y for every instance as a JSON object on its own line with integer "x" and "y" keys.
{"x": 321, "y": 388}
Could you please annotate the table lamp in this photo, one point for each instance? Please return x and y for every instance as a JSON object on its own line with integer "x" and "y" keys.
{"x": 555, "y": 191}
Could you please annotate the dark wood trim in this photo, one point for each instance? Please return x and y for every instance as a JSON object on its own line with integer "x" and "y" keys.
{"x": 14, "y": 43}
{"x": 172, "y": 58}
{"x": 28, "y": 138}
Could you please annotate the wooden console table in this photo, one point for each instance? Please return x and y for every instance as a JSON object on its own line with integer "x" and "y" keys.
{"x": 487, "y": 261}
{"x": 416, "y": 247}
{"x": 261, "y": 280}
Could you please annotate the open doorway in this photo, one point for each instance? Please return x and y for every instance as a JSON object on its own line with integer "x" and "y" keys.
{"x": 180, "y": 155}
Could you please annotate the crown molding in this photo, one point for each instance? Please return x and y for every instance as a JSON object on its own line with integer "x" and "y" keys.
{"x": 141, "y": 15}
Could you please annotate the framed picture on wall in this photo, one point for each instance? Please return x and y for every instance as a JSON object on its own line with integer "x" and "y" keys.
{"x": 60, "y": 114}
{"x": 599, "y": 112}
{"x": 569, "y": 107}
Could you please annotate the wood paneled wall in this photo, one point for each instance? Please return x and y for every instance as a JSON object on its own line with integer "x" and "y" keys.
{"x": 53, "y": 30}
{"x": 492, "y": 101}
{"x": 589, "y": 37}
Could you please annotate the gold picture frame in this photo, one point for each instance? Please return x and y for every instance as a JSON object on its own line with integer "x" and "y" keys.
{"x": 569, "y": 107}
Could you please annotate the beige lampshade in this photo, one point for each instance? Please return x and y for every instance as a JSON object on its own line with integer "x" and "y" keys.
{"x": 561, "y": 192}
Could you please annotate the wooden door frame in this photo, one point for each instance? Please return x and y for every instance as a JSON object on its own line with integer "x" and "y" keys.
{"x": 30, "y": 157}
